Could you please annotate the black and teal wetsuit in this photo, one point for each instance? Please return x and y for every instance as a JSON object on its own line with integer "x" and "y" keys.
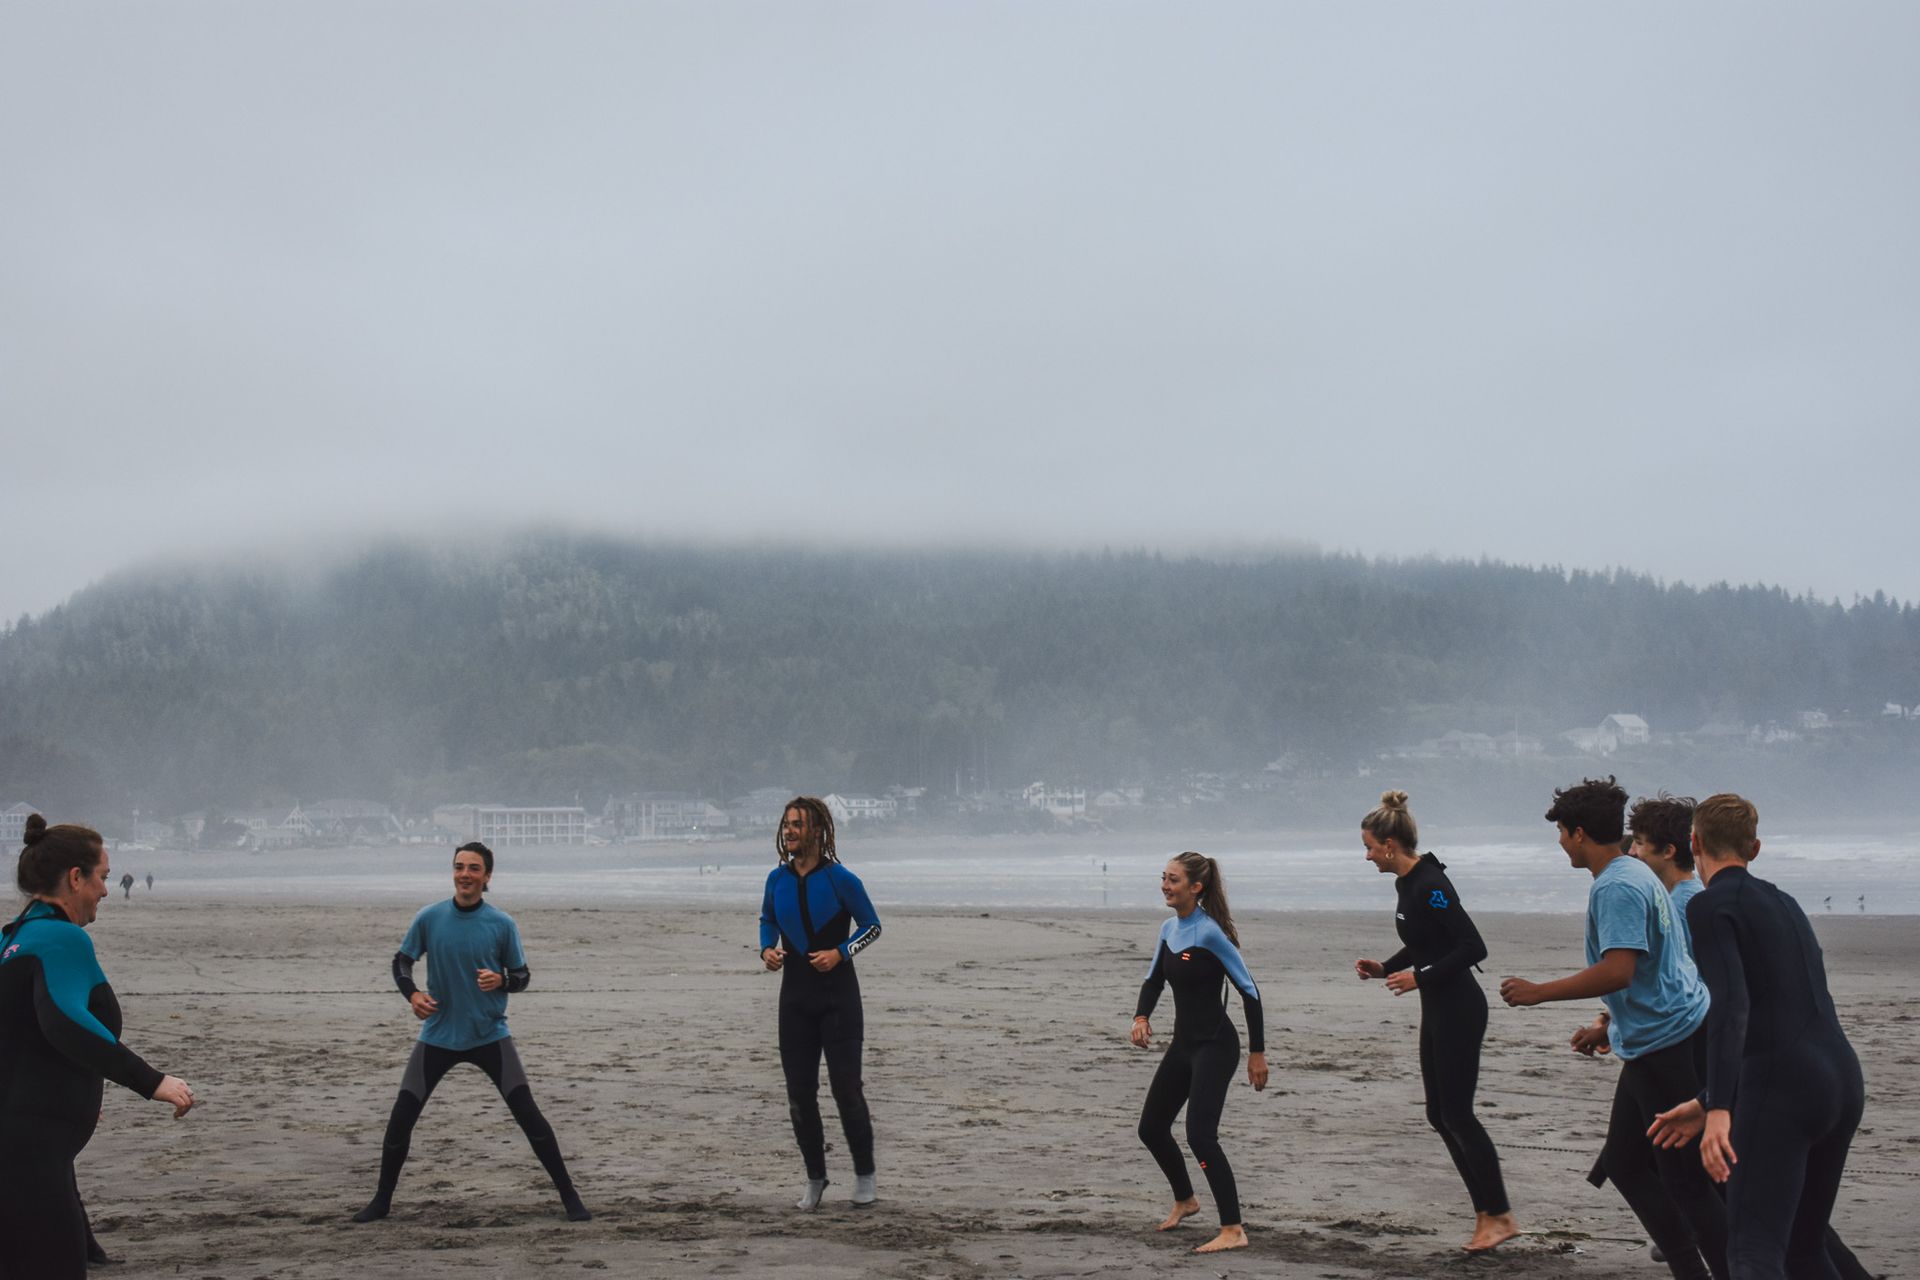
{"x": 59, "y": 1040}
{"x": 1195, "y": 956}
{"x": 1778, "y": 1060}
{"x": 1441, "y": 946}
{"x": 826, "y": 909}
{"x": 470, "y": 1026}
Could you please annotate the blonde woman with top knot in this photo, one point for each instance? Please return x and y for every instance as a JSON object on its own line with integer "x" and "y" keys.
{"x": 1440, "y": 948}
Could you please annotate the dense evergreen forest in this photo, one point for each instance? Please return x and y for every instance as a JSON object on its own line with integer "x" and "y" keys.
{"x": 552, "y": 666}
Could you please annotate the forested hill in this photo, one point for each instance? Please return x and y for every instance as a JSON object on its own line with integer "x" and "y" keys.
{"x": 555, "y": 665}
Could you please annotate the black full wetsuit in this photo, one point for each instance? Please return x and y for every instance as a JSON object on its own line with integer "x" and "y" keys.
{"x": 820, "y": 1013}
{"x": 1195, "y": 955}
{"x": 1441, "y": 945}
{"x": 1777, "y": 1058}
{"x": 59, "y": 1039}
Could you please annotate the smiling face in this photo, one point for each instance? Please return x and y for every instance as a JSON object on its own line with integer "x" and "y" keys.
{"x": 470, "y": 876}
{"x": 1385, "y": 855}
{"x": 1182, "y": 894}
{"x": 85, "y": 890}
{"x": 797, "y": 837}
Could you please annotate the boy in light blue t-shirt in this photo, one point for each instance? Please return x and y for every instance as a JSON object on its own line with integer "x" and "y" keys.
{"x": 1639, "y": 965}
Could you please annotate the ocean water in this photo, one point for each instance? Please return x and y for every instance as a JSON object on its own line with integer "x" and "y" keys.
{"x": 1878, "y": 875}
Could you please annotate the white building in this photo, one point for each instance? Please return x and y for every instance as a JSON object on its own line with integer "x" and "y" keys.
{"x": 13, "y": 824}
{"x": 860, "y": 808}
{"x": 502, "y": 824}
{"x": 663, "y": 815}
{"x": 1061, "y": 802}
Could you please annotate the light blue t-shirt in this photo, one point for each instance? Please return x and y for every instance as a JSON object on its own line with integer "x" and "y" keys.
{"x": 458, "y": 944}
{"x": 1683, "y": 894}
{"x": 1629, "y": 909}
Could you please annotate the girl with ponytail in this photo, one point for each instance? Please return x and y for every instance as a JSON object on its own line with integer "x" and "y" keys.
{"x": 1441, "y": 946}
{"x": 59, "y": 1039}
{"x": 1199, "y": 954}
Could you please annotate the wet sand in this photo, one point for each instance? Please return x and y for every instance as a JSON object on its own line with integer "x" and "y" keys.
{"x": 1003, "y": 1090}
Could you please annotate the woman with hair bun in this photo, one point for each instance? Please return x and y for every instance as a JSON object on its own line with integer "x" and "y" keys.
{"x": 59, "y": 1038}
{"x": 1199, "y": 954}
{"x": 1441, "y": 946}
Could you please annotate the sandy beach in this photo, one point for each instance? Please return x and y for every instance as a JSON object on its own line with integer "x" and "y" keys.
{"x": 1003, "y": 1090}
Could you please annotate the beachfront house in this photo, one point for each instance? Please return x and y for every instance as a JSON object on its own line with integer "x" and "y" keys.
{"x": 664, "y": 815}
{"x": 504, "y": 824}
{"x": 860, "y": 808}
{"x": 13, "y": 823}
{"x": 1061, "y": 802}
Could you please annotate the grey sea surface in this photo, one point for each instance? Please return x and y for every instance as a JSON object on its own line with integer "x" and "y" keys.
{"x": 1879, "y": 875}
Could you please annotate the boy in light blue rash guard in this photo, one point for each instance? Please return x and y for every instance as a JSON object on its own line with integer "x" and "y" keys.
{"x": 474, "y": 960}
{"x": 1637, "y": 964}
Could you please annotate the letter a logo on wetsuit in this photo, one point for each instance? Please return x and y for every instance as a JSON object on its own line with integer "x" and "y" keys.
{"x": 1439, "y": 899}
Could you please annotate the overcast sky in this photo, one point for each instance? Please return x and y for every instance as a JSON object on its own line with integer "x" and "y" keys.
{"x": 1633, "y": 284}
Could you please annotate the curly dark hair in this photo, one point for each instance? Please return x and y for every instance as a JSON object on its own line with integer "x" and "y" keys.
{"x": 1665, "y": 821}
{"x": 819, "y": 819}
{"x": 1597, "y": 806}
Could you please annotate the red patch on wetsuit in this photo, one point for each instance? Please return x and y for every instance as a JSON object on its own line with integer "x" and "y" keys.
{"x": 1186, "y": 955}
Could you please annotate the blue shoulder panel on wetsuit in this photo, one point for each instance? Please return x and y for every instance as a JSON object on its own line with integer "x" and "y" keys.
{"x": 1203, "y": 931}
{"x": 68, "y": 965}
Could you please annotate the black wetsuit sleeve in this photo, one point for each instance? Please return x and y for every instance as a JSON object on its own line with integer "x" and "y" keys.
{"x": 89, "y": 1048}
{"x": 1465, "y": 948}
{"x": 1156, "y": 983}
{"x": 1256, "y": 1023}
{"x": 403, "y": 974}
{"x": 1398, "y": 960}
{"x": 518, "y": 979}
{"x": 1716, "y": 950}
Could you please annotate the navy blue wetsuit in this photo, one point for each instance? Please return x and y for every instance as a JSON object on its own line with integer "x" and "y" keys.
{"x": 826, "y": 909}
{"x": 1442, "y": 946}
{"x": 1777, "y": 1058}
{"x": 59, "y": 1039}
{"x": 1197, "y": 958}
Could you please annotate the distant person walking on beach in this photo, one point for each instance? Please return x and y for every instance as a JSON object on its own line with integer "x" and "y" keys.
{"x": 474, "y": 962}
{"x": 1657, "y": 1010}
{"x": 59, "y": 1039}
{"x": 1198, "y": 952}
{"x": 815, "y": 917}
{"x": 126, "y": 885}
{"x": 149, "y": 882}
{"x": 1784, "y": 1091}
{"x": 1440, "y": 948}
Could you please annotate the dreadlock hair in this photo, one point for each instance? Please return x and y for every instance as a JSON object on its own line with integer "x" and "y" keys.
{"x": 819, "y": 821}
{"x": 1204, "y": 871}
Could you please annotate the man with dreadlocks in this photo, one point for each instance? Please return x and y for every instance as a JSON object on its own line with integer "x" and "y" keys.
{"x": 814, "y": 919}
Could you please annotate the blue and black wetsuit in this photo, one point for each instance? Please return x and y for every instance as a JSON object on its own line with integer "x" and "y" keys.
{"x": 470, "y": 1026}
{"x": 1777, "y": 1058}
{"x": 826, "y": 909}
{"x": 1441, "y": 946}
{"x": 59, "y": 1039}
{"x": 1197, "y": 958}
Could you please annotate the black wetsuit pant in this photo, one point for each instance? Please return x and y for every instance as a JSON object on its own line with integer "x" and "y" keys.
{"x": 43, "y": 1229}
{"x": 1666, "y": 1188}
{"x": 820, "y": 1013}
{"x": 1194, "y": 1075}
{"x": 1793, "y": 1121}
{"x": 1453, "y": 1023}
{"x": 501, "y": 1062}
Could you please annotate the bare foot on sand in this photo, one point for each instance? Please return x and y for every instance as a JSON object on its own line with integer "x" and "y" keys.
{"x": 1182, "y": 1210}
{"x": 1490, "y": 1231}
{"x": 1234, "y": 1237}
